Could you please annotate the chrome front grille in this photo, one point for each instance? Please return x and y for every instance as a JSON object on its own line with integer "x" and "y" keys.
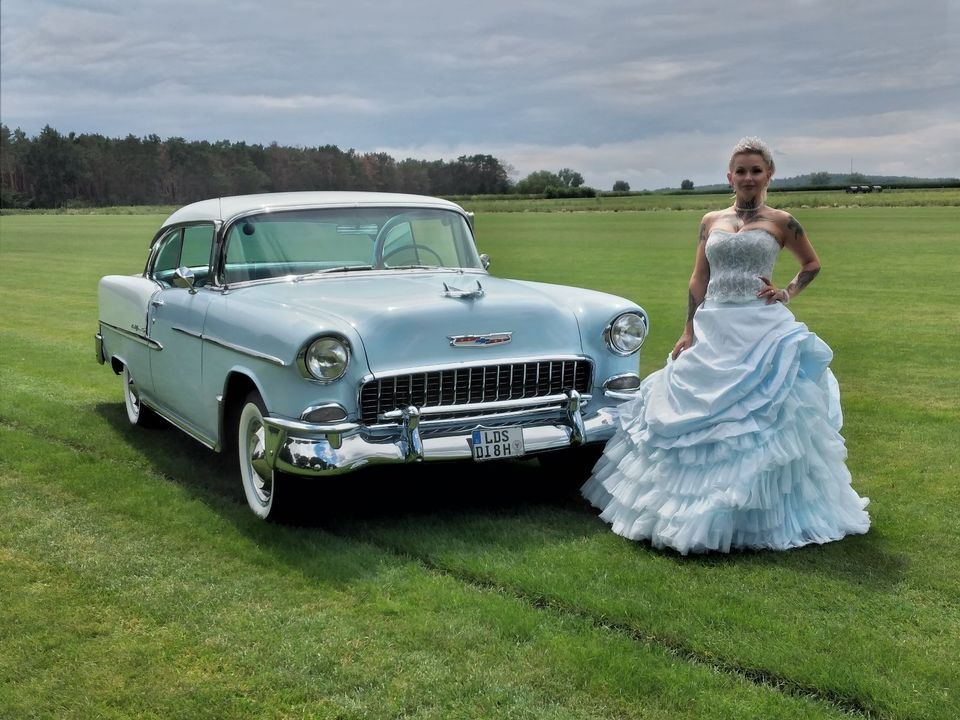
{"x": 473, "y": 386}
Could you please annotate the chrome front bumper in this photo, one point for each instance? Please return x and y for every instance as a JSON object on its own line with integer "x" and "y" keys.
{"x": 332, "y": 449}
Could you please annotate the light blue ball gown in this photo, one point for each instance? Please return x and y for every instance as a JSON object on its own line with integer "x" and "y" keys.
{"x": 736, "y": 443}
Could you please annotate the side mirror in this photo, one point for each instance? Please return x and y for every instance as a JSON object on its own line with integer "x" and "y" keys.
{"x": 485, "y": 261}
{"x": 183, "y": 278}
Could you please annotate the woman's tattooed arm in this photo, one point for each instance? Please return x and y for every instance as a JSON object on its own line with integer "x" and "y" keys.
{"x": 803, "y": 278}
{"x": 692, "y": 305}
{"x": 693, "y": 302}
{"x": 795, "y": 228}
{"x": 797, "y": 238}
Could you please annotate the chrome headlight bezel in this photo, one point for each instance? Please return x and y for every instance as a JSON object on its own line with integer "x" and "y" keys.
{"x": 625, "y": 333}
{"x": 324, "y": 359}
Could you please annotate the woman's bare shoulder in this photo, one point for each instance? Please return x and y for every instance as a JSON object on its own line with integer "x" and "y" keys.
{"x": 709, "y": 219}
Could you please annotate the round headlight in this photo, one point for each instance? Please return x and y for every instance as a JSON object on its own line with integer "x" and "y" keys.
{"x": 326, "y": 358}
{"x": 626, "y": 333}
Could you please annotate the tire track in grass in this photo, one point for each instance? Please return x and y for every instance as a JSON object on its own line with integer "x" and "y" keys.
{"x": 853, "y": 706}
{"x": 559, "y": 625}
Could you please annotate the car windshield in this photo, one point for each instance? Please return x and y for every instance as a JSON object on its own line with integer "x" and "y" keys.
{"x": 277, "y": 244}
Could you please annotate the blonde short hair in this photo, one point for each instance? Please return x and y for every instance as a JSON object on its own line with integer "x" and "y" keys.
{"x": 753, "y": 146}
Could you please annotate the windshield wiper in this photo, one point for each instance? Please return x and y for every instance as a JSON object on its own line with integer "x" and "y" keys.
{"x": 345, "y": 268}
{"x": 338, "y": 269}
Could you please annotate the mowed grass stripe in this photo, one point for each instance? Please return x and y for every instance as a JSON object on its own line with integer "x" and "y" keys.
{"x": 878, "y": 614}
{"x": 127, "y": 597}
{"x": 673, "y": 645}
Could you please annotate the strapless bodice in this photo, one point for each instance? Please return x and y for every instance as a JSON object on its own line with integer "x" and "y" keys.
{"x": 737, "y": 260}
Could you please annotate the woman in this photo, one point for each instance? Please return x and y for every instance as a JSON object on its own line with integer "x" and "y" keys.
{"x": 735, "y": 443}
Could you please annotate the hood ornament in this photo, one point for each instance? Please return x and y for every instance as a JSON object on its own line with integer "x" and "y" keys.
{"x": 454, "y": 292}
{"x": 498, "y": 338}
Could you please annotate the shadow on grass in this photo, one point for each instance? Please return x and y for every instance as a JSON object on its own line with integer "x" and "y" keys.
{"x": 414, "y": 492}
{"x": 430, "y": 508}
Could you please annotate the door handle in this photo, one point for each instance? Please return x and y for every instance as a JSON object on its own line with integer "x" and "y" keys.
{"x": 157, "y": 303}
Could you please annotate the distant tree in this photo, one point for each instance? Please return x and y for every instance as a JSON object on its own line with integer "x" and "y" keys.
{"x": 55, "y": 164}
{"x": 480, "y": 175}
{"x": 686, "y": 185}
{"x": 53, "y": 170}
{"x": 570, "y": 178}
{"x": 537, "y": 182}
{"x": 563, "y": 191}
{"x": 414, "y": 176}
{"x": 14, "y": 185}
{"x": 379, "y": 172}
{"x": 820, "y": 178}
{"x": 621, "y": 186}
{"x": 857, "y": 179}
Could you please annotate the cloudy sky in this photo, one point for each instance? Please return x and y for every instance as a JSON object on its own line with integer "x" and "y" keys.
{"x": 647, "y": 91}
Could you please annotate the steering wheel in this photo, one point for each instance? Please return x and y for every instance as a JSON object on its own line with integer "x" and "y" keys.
{"x": 416, "y": 249}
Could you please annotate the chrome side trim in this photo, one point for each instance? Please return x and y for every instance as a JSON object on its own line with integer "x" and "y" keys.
{"x": 189, "y": 333}
{"x": 238, "y": 348}
{"x": 136, "y": 337}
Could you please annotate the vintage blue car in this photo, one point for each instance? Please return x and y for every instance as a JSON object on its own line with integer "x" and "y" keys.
{"x": 316, "y": 333}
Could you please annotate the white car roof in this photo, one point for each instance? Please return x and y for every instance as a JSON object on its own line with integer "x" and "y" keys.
{"x": 226, "y": 208}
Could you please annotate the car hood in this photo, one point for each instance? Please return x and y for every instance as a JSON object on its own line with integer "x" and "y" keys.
{"x": 406, "y": 319}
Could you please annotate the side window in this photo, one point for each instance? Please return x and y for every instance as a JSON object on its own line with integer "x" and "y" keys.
{"x": 190, "y": 246}
{"x": 195, "y": 254}
{"x": 168, "y": 258}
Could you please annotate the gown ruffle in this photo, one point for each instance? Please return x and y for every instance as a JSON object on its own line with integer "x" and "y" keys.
{"x": 735, "y": 444}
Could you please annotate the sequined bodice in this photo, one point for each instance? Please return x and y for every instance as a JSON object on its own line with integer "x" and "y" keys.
{"x": 737, "y": 260}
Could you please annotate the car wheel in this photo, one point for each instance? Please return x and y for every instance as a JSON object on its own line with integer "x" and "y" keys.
{"x": 269, "y": 492}
{"x": 137, "y": 413}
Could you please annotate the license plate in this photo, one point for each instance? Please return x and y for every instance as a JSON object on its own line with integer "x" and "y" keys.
{"x": 497, "y": 444}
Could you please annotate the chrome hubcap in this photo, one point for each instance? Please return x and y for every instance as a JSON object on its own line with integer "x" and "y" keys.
{"x": 261, "y": 475}
{"x": 133, "y": 399}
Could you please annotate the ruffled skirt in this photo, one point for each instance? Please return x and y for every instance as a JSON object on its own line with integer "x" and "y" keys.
{"x": 735, "y": 444}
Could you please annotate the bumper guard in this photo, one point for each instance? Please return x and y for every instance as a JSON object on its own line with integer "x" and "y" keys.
{"x": 336, "y": 448}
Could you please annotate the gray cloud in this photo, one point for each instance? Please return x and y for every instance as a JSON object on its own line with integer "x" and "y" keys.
{"x": 650, "y": 92}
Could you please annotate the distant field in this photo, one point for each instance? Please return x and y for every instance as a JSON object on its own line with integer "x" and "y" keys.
{"x": 135, "y": 583}
{"x": 625, "y": 203}
{"x": 660, "y": 201}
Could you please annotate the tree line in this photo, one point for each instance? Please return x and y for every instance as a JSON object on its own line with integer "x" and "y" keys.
{"x": 89, "y": 170}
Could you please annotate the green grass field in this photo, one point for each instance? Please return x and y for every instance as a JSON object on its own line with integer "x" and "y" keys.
{"x": 134, "y": 582}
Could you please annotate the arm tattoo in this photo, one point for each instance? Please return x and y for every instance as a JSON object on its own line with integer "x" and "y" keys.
{"x": 692, "y": 305}
{"x": 797, "y": 230}
{"x": 703, "y": 233}
{"x": 803, "y": 278}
